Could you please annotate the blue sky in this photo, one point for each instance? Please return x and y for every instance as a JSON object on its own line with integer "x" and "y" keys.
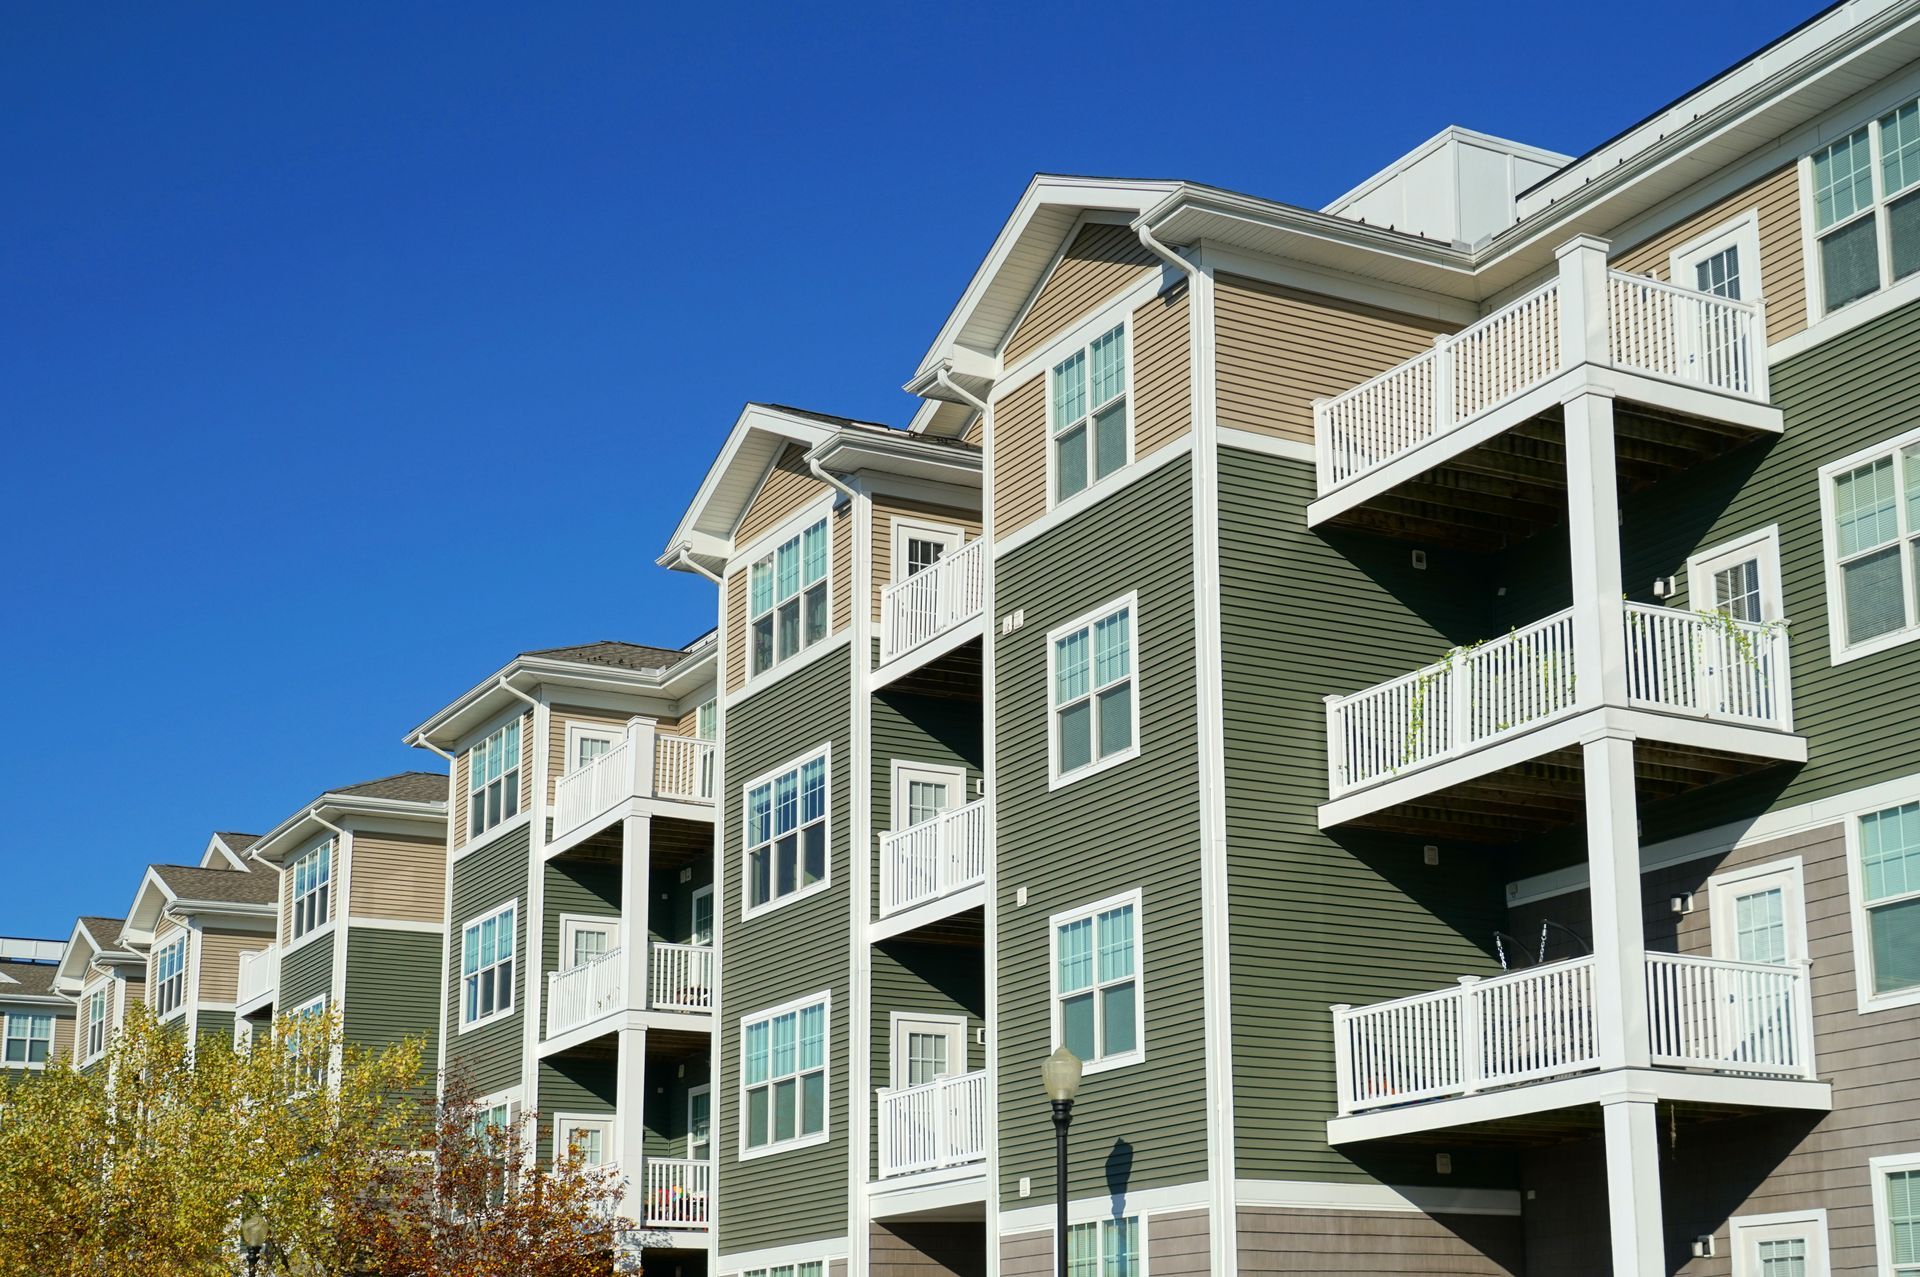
{"x": 346, "y": 352}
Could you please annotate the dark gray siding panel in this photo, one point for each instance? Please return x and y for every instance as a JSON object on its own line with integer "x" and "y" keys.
{"x": 1380, "y": 1242}
{"x": 483, "y": 880}
{"x": 393, "y": 989}
{"x": 1134, "y": 825}
{"x": 797, "y": 950}
{"x": 305, "y": 974}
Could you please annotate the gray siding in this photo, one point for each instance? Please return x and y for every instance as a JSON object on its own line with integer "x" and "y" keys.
{"x": 393, "y": 989}
{"x": 799, "y": 949}
{"x": 1377, "y": 1242}
{"x": 1134, "y": 825}
{"x": 305, "y": 974}
{"x": 483, "y": 880}
{"x": 927, "y": 1248}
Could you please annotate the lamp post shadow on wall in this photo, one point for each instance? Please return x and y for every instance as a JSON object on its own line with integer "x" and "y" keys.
{"x": 1060, "y": 1075}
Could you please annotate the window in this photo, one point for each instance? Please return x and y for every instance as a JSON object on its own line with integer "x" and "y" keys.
{"x": 486, "y": 968}
{"x": 311, "y": 876}
{"x": 493, "y": 780}
{"x": 96, "y": 1025}
{"x": 927, "y": 1048}
{"x": 922, "y": 791}
{"x": 29, "y": 1038}
{"x": 1096, "y": 715}
{"x": 306, "y": 1052}
{"x": 1887, "y": 922}
{"x": 1088, "y": 407}
{"x": 783, "y": 1078}
{"x": 1866, "y": 208}
{"x": 1097, "y": 1011}
{"x": 587, "y": 742}
{"x": 1740, "y": 578}
{"x": 702, "y": 916}
{"x": 1870, "y": 505}
{"x": 1791, "y": 1244}
{"x": 786, "y": 833}
{"x": 814, "y": 1268}
{"x": 1758, "y": 913}
{"x": 589, "y": 1138}
{"x": 699, "y": 1123}
{"x": 1896, "y": 1213}
{"x": 170, "y": 977}
{"x": 787, "y": 608}
{"x": 584, "y": 939}
{"x": 1106, "y": 1248}
{"x": 706, "y": 721}
{"x": 918, "y": 546}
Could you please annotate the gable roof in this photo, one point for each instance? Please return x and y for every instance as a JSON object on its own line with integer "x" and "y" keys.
{"x": 223, "y": 886}
{"x": 415, "y": 795}
{"x": 626, "y": 656}
{"x": 26, "y": 979}
{"x": 91, "y": 937}
{"x": 406, "y": 787}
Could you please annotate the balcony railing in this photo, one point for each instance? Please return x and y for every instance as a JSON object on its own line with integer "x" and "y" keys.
{"x": 933, "y": 600}
{"x": 642, "y": 764}
{"x": 936, "y": 1124}
{"x": 1702, "y": 665}
{"x": 934, "y": 858}
{"x": 1655, "y": 329}
{"x": 681, "y": 976}
{"x": 676, "y": 1192}
{"x": 1709, "y": 1014}
{"x": 259, "y": 974}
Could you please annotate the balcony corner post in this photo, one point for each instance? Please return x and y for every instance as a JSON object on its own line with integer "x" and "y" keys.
{"x": 1322, "y": 445}
{"x": 1633, "y": 1185}
{"x": 1584, "y": 338}
{"x": 1343, "y": 1088}
{"x": 1803, "y": 1020}
{"x": 629, "y": 1123}
{"x": 640, "y": 735}
{"x": 1620, "y": 1000}
{"x": 1472, "y": 1062}
{"x": 1443, "y": 396}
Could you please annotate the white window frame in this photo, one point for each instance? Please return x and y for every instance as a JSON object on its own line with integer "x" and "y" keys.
{"x": 300, "y": 1015}
{"x": 906, "y": 770}
{"x": 1082, "y": 344}
{"x": 1762, "y": 545}
{"x": 823, "y": 999}
{"x": 1093, "y": 910}
{"x": 84, "y": 1024}
{"x": 1096, "y": 1222}
{"x": 510, "y": 907}
{"x": 515, "y": 767}
{"x": 1839, "y": 649}
{"x": 795, "y": 764}
{"x": 1723, "y": 888}
{"x": 767, "y": 549}
{"x": 572, "y": 924}
{"x": 323, "y": 854}
{"x": 798, "y": 1268}
{"x": 1085, "y": 621}
{"x": 177, "y": 941}
{"x": 564, "y": 1124}
{"x": 1878, "y": 1168}
{"x": 705, "y": 892}
{"x": 1865, "y": 998}
{"x": 577, "y": 732}
{"x": 950, "y": 535}
{"x": 900, "y": 1023}
{"x": 1811, "y": 1224}
{"x": 1741, "y": 234}
{"x": 27, "y": 1018}
{"x": 706, "y": 1089}
{"x": 1811, "y": 233}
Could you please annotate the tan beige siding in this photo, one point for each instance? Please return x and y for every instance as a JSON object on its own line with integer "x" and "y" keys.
{"x": 404, "y": 879}
{"x": 1776, "y": 200}
{"x": 841, "y": 569}
{"x": 685, "y": 725}
{"x": 737, "y": 630}
{"x": 1278, "y": 349}
{"x": 1101, "y": 261}
{"x": 1162, "y": 372}
{"x": 220, "y": 951}
{"x": 1276, "y": 1241}
{"x": 976, "y": 432}
{"x": 461, "y": 778}
{"x": 926, "y": 1248}
{"x": 1020, "y": 457}
{"x": 286, "y": 889}
{"x": 887, "y": 512}
{"x": 526, "y": 760}
{"x": 788, "y": 487}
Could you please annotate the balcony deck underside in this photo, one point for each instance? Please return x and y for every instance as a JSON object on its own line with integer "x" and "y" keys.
{"x": 928, "y": 924}
{"x": 953, "y": 672}
{"x": 671, "y": 843}
{"x": 599, "y": 1040}
{"x": 1482, "y": 489}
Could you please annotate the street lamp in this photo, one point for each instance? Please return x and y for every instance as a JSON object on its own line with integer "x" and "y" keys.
{"x": 1061, "y": 1077}
{"x": 253, "y": 1237}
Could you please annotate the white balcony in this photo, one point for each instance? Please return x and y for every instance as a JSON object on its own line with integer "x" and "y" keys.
{"x": 934, "y": 1125}
{"x": 681, "y": 977}
{"x": 1699, "y": 666}
{"x": 933, "y": 602}
{"x": 644, "y": 764}
{"x": 259, "y": 978}
{"x": 675, "y": 1192}
{"x": 1706, "y": 1015}
{"x": 933, "y": 859}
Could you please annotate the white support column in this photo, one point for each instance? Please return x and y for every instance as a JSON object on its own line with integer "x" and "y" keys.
{"x": 1593, "y": 528}
{"x": 636, "y": 838}
{"x": 1619, "y": 931}
{"x": 1583, "y": 301}
{"x": 640, "y": 731}
{"x": 629, "y": 1118}
{"x": 1633, "y": 1186}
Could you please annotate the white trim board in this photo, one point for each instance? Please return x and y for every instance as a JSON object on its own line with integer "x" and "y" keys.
{"x": 740, "y": 1261}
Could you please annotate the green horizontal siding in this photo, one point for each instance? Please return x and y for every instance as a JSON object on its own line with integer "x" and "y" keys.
{"x": 797, "y": 950}
{"x": 306, "y": 973}
{"x": 213, "y": 1026}
{"x": 579, "y": 1086}
{"x": 393, "y": 990}
{"x": 587, "y": 888}
{"x": 941, "y": 731}
{"x": 927, "y": 979}
{"x": 482, "y": 881}
{"x": 1134, "y": 825}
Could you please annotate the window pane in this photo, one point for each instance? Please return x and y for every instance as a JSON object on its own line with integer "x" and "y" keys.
{"x": 1075, "y": 955}
{"x": 1116, "y": 719}
{"x": 1910, "y": 460}
{"x": 788, "y": 631}
{"x": 1083, "y": 1251}
{"x": 786, "y": 865}
{"x": 1076, "y": 1025}
{"x": 1760, "y": 926}
{"x": 1110, "y": 440}
{"x": 1786, "y": 1257}
{"x": 813, "y": 1103}
{"x": 813, "y": 863}
{"x": 1070, "y": 667}
{"x": 1900, "y": 148}
{"x": 786, "y": 802}
{"x": 1903, "y": 1216}
{"x": 1864, "y": 507}
{"x": 786, "y": 570}
{"x": 785, "y": 1046}
{"x": 786, "y": 1097}
{"x": 1875, "y": 604}
{"x": 756, "y": 1069}
{"x": 1109, "y": 365}
{"x": 814, "y": 553}
{"x": 1890, "y": 852}
{"x": 813, "y": 790}
{"x": 760, "y": 867}
{"x": 1850, "y": 263}
{"x": 1069, "y": 391}
{"x": 1720, "y": 274}
{"x": 1116, "y": 943}
{"x": 816, "y": 609}
{"x": 757, "y": 1117}
{"x": 1076, "y": 736}
{"x": 762, "y": 644}
{"x": 1896, "y": 945}
{"x": 1903, "y": 230}
{"x": 1842, "y": 179}
{"x": 1070, "y": 464}
{"x": 1116, "y": 1013}
{"x": 1736, "y": 590}
{"x": 1112, "y": 647}
{"x": 813, "y": 1037}
{"x": 762, "y": 592}
{"x": 1122, "y": 1247}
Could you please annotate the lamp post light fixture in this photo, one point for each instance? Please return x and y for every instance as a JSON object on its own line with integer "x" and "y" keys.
{"x": 253, "y": 1238}
{"x": 1061, "y": 1077}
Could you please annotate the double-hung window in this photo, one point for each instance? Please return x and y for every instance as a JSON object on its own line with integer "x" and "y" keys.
{"x": 812, "y": 1268}
{"x": 307, "y": 1048}
{"x": 1889, "y": 891}
{"x": 29, "y": 1038}
{"x": 1865, "y": 196}
{"x": 786, "y": 833}
{"x": 96, "y": 1025}
{"x": 1096, "y": 714}
{"x": 486, "y": 967}
{"x": 1871, "y": 502}
{"x": 783, "y": 1076}
{"x": 1097, "y": 1011}
{"x": 493, "y": 780}
{"x": 170, "y": 976}
{"x": 1088, "y": 407}
{"x": 1896, "y": 1213}
{"x": 787, "y": 601}
{"x": 1106, "y": 1248}
{"x": 312, "y": 878}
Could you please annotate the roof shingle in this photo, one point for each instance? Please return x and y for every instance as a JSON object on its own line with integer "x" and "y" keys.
{"x": 626, "y": 656}
{"x": 25, "y": 977}
{"x": 228, "y": 886}
{"x": 418, "y": 787}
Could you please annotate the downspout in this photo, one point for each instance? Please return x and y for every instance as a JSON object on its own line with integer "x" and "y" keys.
{"x": 833, "y": 481}
{"x": 420, "y": 741}
{"x": 684, "y": 559}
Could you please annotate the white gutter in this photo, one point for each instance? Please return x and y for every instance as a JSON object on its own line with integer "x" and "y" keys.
{"x": 830, "y": 480}
{"x": 684, "y": 559}
{"x": 965, "y": 396}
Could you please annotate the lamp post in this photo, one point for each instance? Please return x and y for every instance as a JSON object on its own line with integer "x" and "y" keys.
{"x": 1061, "y": 1077}
{"x": 253, "y": 1237}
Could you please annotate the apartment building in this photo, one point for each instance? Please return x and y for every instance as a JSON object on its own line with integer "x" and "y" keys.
{"x": 36, "y": 1021}
{"x": 191, "y": 926}
{"x": 101, "y": 977}
{"x": 1418, "y": 695}
{"x": 580, "y": 967}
